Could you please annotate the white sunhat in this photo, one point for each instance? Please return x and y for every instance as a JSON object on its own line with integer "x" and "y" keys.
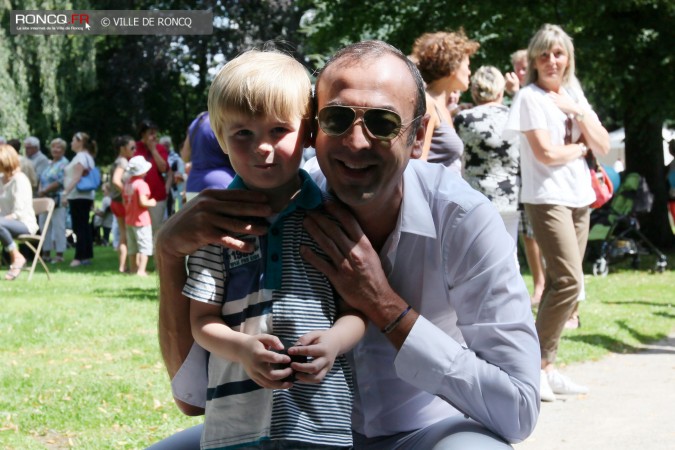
{"x": 138, "y": 165}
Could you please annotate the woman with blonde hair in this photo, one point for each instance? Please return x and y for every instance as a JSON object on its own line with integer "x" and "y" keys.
{"x": 17, "y": 215}
{"x": 443, "y": 60}
{"x": 557, "y": 127}
{"x": 80, "y": 202}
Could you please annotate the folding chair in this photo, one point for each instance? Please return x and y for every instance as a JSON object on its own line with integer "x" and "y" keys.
{"x": 40, "y": 205}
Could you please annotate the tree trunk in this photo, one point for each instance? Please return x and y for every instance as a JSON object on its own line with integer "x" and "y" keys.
{"x": 644, "y": 155}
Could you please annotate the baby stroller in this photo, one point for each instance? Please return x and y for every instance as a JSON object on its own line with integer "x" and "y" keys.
{"x": 615, "y": 231}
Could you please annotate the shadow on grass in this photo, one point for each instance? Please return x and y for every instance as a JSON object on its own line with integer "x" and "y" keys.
{"x": 642, "y": 338}
{"x": 635, "y": 302}
{"x": 129, "y": 293}
{"x": 664, "y": 314}
{"x": 98, "y": 267}
{"x": 604, "y": 341}
{"x": 618, "y": 346}
{"x": 105, "y": 262}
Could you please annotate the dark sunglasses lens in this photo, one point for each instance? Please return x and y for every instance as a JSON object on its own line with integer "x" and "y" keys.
{"x": 335, "y": 120}
{"x": 382, "y": 123}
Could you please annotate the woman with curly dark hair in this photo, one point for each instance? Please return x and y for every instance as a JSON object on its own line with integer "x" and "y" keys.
{"x": 443, "y": 60}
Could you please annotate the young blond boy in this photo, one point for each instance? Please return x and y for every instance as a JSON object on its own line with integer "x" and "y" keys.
{"x": 244, "y": 305}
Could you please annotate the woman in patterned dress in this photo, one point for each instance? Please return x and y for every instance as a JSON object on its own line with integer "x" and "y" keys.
{"x": 491, "y": 163}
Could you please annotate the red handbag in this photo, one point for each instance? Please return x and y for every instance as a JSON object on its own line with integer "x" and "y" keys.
{"x": 602, "y": 185}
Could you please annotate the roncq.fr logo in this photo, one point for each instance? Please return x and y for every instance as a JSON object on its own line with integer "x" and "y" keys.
{"x": 52, "y": 19}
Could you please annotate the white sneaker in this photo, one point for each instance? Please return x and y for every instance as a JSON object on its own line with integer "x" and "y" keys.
{"x": 545, "y": 391}
{"x": 560, "y": 384}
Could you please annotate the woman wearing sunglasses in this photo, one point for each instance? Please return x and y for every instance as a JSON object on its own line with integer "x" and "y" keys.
{"x": 80, "y": 202}
{"x": 443, "y": 60}
{"x": 557, "y": 127}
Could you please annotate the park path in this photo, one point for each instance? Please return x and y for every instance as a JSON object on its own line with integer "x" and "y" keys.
{"x": 631, "y": 405}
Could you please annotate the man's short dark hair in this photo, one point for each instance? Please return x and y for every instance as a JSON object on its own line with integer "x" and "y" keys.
{"x": 145, "y": 125}
{"x": 16, "y": 144}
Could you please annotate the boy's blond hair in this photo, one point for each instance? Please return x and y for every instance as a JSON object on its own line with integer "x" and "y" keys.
{"x": 259, "y": 83}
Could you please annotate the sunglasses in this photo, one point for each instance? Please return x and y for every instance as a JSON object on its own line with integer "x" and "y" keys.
{"x": 381, "y": 124}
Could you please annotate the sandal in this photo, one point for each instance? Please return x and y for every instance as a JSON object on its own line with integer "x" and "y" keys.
{"x": 14, "y": 271}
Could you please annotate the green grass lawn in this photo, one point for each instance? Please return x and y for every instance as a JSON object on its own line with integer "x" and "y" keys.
{"x": 80, "y": 361}
{"x": 80, "y": 365}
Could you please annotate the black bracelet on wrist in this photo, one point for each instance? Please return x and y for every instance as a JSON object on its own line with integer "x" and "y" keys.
{"x": 389, "y": 328}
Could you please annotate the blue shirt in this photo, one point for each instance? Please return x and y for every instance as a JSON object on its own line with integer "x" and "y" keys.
{"x": 54, "y": 172}
{"x": 211, "y": 167}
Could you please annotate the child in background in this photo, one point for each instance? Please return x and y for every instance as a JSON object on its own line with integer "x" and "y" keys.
{"x": 103, "y": 218}
{"x": 175, "y": 179}
{"x": 137, "y": 200}
{"x": 245, "y": 305}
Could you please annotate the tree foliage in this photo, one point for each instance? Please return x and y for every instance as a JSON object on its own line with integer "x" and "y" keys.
{"x": 623, "y": 51}
{"x": 40, "y": 75}
{"x": 105, "y": 85}
{"x": 56, "y": 85}
{"x": 166, "y": 78}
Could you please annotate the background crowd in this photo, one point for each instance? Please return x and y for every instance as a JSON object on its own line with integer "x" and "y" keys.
{"x": 81, "y": 221}
{"x": 522, "y": 143}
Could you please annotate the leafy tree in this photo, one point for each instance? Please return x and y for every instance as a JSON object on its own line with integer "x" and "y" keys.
{"x": 57, "y": 85}
{"x": 623, "y": 50}
{"x": 166, "y": 78}
{"x": 632, "y": 63}
{"x": 40, "y": 75}
{"x": 105, "y": 85}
